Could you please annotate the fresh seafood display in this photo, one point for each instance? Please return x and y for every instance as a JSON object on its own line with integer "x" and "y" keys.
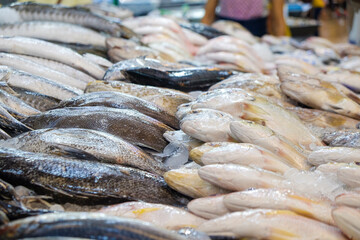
{"x": 121, "y": 127}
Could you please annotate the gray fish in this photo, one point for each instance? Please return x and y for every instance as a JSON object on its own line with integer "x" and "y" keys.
{"x": 122, "y": 101}
{"x": 128, "y": 124}
{"x": 4, "y": 135}
{"x": 16, "y": 103}
{"x": 85, "y": 144}
{"x": 84, "y": 225}
{"x": 81, "y": 179}
{"x": 11, "y": 124}
{"x": 343, "y": 138}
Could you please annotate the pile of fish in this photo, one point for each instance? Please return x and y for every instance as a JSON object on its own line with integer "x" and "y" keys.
{"x": 115, "y": 127}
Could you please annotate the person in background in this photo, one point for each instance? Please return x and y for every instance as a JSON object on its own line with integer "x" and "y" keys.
{"x": 318, "y": 5}
{"x": 252, "y": 14}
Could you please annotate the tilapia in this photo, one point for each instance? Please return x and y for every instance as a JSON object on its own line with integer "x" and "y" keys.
{"x": 17, "y": 104}
{"x": 270, "y": 224}
{"x": 250, "y": 132}
{"x": 12, "y": 126}
{"x": 85, "y": 144}
{"x": 348, "y": 220}
{"x": 350, "y": 199}
{"x": 163, "y": 216}
{"x": 20, "y": 79}
{"x": 128, "y": 124}
{"x": 121, "y": 101}
{"x": 280, "y": 200}
{"x": 237, "y": 178}
{"x": 40, "y": 48}
{"x": 83, "y": 225}
{"x": 319, "y": 94}
{"x": 334, "y": 154}
{"x": 81, "y": 179}
{"x": 350, "y": 175}
{"x": 343, "y": 138}
{"x": 250, "y": 106}
{"x": 207, "y": 125}
{"x": 31, "y": 67}
{"x": 208, "y": 207}
{"x": 188, "y": 182}
{"x": 54, "y": 31}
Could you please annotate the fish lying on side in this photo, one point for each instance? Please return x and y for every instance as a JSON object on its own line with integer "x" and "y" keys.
{"x": 140, "y": 129}
{"x": 334, "y": 154}
{"x": 208, "y": 207}
{"x": 85, "y": 144}
{"x": 12, "y": 126}
{"x": 348, "y": 220}
{"x": 82, "y": 179}
{"x": 16, "y": 104}
{"x": 350, "y": 175}
{"x": 350, "y": 199}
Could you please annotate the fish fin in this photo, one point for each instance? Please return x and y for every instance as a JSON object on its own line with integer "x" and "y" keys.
{"x": 67, "y": 151}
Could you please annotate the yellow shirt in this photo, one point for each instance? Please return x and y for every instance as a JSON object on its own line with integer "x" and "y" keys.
{"x": 64, "y": 2}
{"x": 318, "y": 3}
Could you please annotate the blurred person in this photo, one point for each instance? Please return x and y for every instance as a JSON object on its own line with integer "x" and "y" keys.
{"x": 252, "y": 14}
{"x": 353, "y": 7}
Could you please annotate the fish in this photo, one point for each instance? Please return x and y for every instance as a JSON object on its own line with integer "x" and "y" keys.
{"x": 207, "y": 125}
{"x": 188, "y": 182}
{"x": 40, "y": 48}
{"x": 350, "y": 199}
{"x": 237, "y": 178}
{"x": 30, "y": 67}
{"x": 60, "y": 67}
{"x": 8, "y": 191}
{"x": 323, "y": 119}
{"x": 128, "y": 124}
{"x": 195, "y": 38}
{"x": 181, "y": 138}
{"x": 238, "y": 153}
{"x": 334, "y": 154}
{"x": 270, "y": 224}
{"x": 121, "y": 101}
{"x": 109, "y": 10}
{"x": 54, "y": 31}
{"x": 250, "y": 132}
{"x": 208, "y": 207}
{"x": 14, "y": 212}
{"x": 280, "y": 200}
{"x": 85, "y": 144}
{"x": 249, "y": 106}
{"x": 234, "y": 29}
{"x": 84, "y": 225}
{"x": 77, "y": 180}
{"x": 350, "y": 175}
{"x": 96, "y": 59}
{"x": 203, "y": 29}
{"x": 319, "y": 94}
{"x": 348, "y": 219}
{"x": 21, "y": 79}
{"x": 183, "y": 110}
{"x": 4, "y": 135}
{"x": 10, "y": 124}
{"x": 161, "y": 215}
{"x": 343, "y": 138}
{"x": 330, "y": 168}
{"x": 17, "y": 104}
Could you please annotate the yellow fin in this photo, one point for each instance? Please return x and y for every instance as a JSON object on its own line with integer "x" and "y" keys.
{"x": 141, "y": 211}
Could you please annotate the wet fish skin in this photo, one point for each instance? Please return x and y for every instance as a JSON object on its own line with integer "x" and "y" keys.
{"x": 128, "y": 124}
{"x": 351, "y": 199}
{"x": 208, "y": 207}
{"x": 17, "y": 104}
{"x": 343, "y": 138}
{"x": 15, "y": 212}
{"x": 348, "y": 219}
{"x": 4, "y": 135}
{"x": 86, "y": 180}
{"x": 85, "y": 144}
{"x": 84, "y": 225}
{"x": 350, "y": 175}
{"x": 121, "y": 101}
{"x": 12, "y": 126}
{"x": 334, "y": 154}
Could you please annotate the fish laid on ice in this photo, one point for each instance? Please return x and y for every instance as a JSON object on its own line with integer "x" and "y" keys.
{"x": 334, "y": 154}
{"x": 208, "y": 207}
{"x": 348, "y": 220}
{"x": 270, "y": 224}
{"x": 164, "y": 216}
{"x": 85, "y": 144}
{"x": 188, "y": 182}
{"x": 246, "y": 154}
{"x": 128, "y": 124}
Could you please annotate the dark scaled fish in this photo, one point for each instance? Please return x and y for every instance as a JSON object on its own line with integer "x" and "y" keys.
{"x": 204, "y": 30}
{"x": 85, "y": 144}
{"x": 121, "y": 101}
{"x": 87, "y": 180}
{"x": 10, "y": 124}
{"x": 342, "y": 138}
{"x": 7, "y": 191}
{"x": 13, "y": 212}
{"x": 128, "y": 124}
{"x": 84, "y": 225}
{"x": 4, "y": 135}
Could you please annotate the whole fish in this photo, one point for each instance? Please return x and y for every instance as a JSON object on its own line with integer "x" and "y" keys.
{"x": 40, "y": 48}
{"x": 188, "y": 182}
{"x": 81, "y": 179}
{"x": 343, "y": 138}
{"x": 270, "y": 224}
{"x": 208, "y": 207}
{"x": 207, "y": 125}
{"x": 334, "y": 154}
{"x": 280, "y": 200}
{"x": 121, "y": 101}
{"x": 16, "y": 103}
{"x": 237, "y": 178}
{"x": 164, "y": 216}
{"x": 83, "y": 225}
{"x": 12, "y": 126}
{"x": 19, "y": 63}
{"x": 20, "y": 79}
{"x": 238, "y": 153}
{"x": 60, "y": 67}
{"x": 128, "y": 124}
{"x": 249, "y": 106}
{"x": 54, "y": 31}
{"x": 85, "y": 144}
{"x": 350, "y": 175}
{"x": 250, "y": 132}
{"x": 348, "y": 219}
{"x": 351, "y": 199}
